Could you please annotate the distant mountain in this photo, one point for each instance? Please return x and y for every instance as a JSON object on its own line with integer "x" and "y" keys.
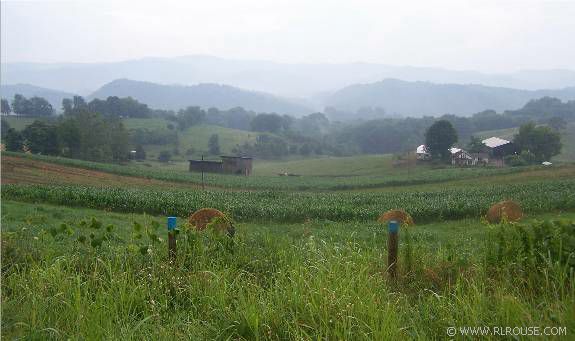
{"x": 291, "y": 80}
{"x": 398, "y": 97}
{"x": 53, "y": 96}
{"x": 203, "y": 95}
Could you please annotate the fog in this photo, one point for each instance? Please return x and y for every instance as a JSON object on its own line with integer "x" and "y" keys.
{"x": 486, "y": 35}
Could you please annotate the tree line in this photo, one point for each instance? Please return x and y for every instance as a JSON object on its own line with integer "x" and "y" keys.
{"x": 111, "y": 106}
{"x": 278, "y": 135}
{"x": 78, "y": 134}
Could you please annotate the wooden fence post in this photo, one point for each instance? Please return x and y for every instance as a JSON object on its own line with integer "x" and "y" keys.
{"x": 172, "y": 238}
{"x": 392, "y": 239}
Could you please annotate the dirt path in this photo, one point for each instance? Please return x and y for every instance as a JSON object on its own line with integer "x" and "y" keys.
{"x": 22, "y": 170}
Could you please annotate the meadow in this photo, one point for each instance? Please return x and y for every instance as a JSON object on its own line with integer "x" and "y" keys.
{"x": 84, "y": 274}
{"x": 195, "y": 137}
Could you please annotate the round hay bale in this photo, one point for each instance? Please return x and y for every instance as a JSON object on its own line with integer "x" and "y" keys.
{"x": 399, "y": 215}
{"x": 202, "y": 217}
{"x": 504, "y": 210}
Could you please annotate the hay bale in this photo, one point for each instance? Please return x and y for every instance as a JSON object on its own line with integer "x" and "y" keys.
{"x": 504, "y": 210}
{"x": 202, "y": 217}
{"x": 399, "y": 215}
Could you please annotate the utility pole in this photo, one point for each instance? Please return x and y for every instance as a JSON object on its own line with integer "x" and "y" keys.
{"x": 203, "y": 188}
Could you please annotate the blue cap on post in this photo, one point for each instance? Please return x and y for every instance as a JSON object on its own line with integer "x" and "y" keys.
{"x": 393, "y": 226}
{"x": 171, "y": 223}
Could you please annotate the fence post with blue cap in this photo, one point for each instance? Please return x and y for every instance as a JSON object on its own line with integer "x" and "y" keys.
{"x": 172, "y": 238}
{"x": 392, "y": 239}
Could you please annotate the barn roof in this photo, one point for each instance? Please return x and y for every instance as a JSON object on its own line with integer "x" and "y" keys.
{"x": 494, "y": 142}
{"x": 454, "y": 150}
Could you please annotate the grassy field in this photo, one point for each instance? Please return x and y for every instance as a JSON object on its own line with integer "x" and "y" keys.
{"x": 86, "y": 274}
{"x": 507, "y": 134}
{"x": 195, "y": 137}
{"x": 331, "y": 166}
{"x": 19, "y": 123}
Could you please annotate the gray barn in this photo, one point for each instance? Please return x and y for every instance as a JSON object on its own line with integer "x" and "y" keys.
{"x": 238, "y": 165}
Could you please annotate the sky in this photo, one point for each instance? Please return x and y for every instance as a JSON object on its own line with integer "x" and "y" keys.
{"x": 482, "y": 35}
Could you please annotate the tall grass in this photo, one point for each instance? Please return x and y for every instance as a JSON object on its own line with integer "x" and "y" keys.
{"x": 272, "y": 285}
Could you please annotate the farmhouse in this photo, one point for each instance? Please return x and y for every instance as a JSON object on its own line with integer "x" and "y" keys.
{"x": 238, "y": 165}
{"x": 497, "y": 148}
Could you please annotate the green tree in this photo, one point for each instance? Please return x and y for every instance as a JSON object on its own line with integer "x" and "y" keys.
{"x": 267, "y": 123}
{"x": 5, "y": 126}
{"x": 41, "y": 138}
{"x": 543, "y": 142}
{"x": 214, "y": 144}
{"x": 40, "y": 106}
{"x": 439, "y": 138}
{"x": 67, "y": 106}
{"x": 92, "y": 136}
{"x": 190, "y": 116}
{"x": 5, "y": 107}
{"x": 165, "y": 156}
{"x": 14, "y": 140}
{"x": 21, "y": 105}
{"x": 475, "y": 145}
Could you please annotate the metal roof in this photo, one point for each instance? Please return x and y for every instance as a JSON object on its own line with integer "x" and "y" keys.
{"x": 422, "y": 149}
{"x": 494, "y": 142}
{"x": 454, "y": 150}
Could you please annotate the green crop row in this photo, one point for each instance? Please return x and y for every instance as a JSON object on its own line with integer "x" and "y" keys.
{"x": 299, "y": 206}
{"x": 283, "y": 183}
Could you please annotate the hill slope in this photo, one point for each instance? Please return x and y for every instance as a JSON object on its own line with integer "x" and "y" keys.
{"x": 203, "y": 95}
{"x": 423, "y": 98}
{"x": 195, "y": 138}
{"x": 53, "y": 96}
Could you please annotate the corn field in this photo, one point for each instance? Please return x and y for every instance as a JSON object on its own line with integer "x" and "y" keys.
{"x": 276, "y": 206}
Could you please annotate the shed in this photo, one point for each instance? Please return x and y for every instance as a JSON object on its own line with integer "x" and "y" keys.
{"x": 228, "y": 164}
{"x": 422, "y": 153}
{"x": 239, "y": 165}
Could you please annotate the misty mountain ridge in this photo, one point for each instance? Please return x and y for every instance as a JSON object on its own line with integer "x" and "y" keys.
{"x": 204, "y": 95}
{"x": 389, "y": 97}
{"x": 401, "y": 98}
{"x": 282, "y": 79}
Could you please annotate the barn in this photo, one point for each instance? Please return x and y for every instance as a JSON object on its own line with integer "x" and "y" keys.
{"x": 497, "y": 148}
{"x": 238, "y": 165}
{"x": 461, "y": 157}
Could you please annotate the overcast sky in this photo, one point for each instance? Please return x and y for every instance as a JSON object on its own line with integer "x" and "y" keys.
{"x": 485, "y": 35}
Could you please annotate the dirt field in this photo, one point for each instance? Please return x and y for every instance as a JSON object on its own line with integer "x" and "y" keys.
{"x": 21, "y": 170}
